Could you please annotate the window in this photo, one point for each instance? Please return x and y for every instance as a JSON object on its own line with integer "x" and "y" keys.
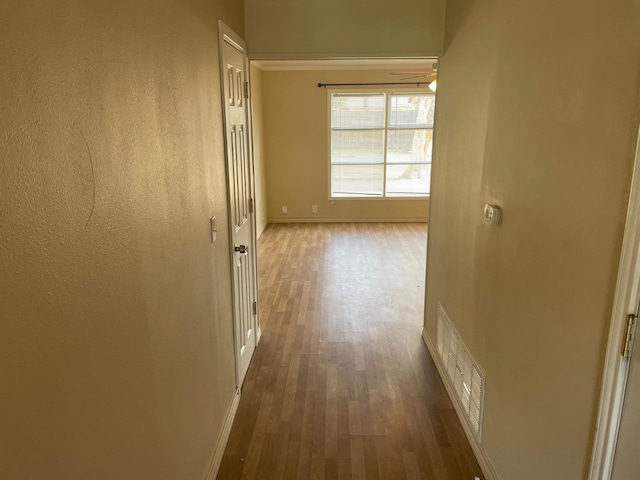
{"x": 381, "y": 144}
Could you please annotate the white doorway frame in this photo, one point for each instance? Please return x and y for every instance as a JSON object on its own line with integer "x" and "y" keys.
{"x": 616, "y": 368}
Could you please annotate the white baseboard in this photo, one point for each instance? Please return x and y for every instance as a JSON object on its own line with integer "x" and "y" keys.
{"x": 216, "y": 461}
{"x": 348, "y": 220}
{"x": 481, "y": 455}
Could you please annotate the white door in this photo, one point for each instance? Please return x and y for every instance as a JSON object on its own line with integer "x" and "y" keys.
{"x": 626, "y": 463}
{"x": 234, "y": 71}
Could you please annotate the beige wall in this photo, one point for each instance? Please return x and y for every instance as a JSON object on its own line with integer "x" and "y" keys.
{"x": 538, "y": 112}
{"x": 258, "y": 150}
{"x": 116, "y": 350}
{"x": 338, "y": 28}
{"x": 296, "y": 151}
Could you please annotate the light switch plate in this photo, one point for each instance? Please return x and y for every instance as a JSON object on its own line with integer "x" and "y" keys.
{"x": 214, "y": 232}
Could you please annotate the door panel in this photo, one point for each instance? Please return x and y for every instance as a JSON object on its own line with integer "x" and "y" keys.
{"x": 240, "y": 187}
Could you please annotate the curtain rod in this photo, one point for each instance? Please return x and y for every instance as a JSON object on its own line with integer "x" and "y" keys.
{"x": 325, "y": 85}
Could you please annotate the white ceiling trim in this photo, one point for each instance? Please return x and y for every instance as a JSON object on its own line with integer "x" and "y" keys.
{"x": 351, "y": 64}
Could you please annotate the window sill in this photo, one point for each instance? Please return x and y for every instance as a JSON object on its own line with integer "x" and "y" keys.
{"x": 410, "y": 197}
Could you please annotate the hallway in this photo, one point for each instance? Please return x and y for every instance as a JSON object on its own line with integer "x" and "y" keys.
{"x": 341, "y": 385}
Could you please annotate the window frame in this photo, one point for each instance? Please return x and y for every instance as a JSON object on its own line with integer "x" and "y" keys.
{"x": 388, "y": 93}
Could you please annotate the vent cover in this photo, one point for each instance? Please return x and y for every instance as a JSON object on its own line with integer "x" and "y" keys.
{"x": 464, "y": 374}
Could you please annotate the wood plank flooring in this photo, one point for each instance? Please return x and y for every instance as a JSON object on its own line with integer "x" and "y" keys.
{"x": 341, "y": 385}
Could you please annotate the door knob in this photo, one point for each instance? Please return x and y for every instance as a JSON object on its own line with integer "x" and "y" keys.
{"x": 240, "y": 249}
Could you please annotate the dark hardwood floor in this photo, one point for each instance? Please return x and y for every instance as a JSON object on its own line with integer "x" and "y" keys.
{"x": 341, "y": 385}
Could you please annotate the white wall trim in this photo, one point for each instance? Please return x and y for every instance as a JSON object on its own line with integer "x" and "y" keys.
{"x": 481, "y": 455}
{"x": 342, "y": 55}
{"x": 347, "y": 65}
{"x": 348, "y": 220}
{"x": 616, "y": 368}
{"x": 216, "y": 460}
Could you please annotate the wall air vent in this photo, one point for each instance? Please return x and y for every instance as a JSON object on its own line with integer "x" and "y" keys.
{"x": 464, "y": 374}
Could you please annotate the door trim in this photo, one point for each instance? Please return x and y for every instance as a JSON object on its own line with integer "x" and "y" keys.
{"x": 616, "y": 368}
{"x": 227, "y": 35}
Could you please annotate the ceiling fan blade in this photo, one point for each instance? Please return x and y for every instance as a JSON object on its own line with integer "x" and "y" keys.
{"x": 420, "y": 77}
{"x": 410, "y": 73}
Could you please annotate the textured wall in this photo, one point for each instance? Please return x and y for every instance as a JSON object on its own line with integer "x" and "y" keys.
{"x": 258, "y": 149}
{"x": 296, "y": 151}
{"x": 116, "y": 351}
{"x": 537, "y": 111}
{"x": 344, "y": 28}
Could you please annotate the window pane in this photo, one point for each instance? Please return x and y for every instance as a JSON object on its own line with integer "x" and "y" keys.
{"x": 356, "y": 180}
{"x": 409, "y": 111}
{"x": 357, "y": 146}
{"x": 357, "y": 111}
{"x": 408, "y": 180}
{"x": 405, "y": 146}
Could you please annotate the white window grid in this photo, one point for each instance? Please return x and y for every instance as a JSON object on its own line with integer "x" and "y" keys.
{"x": 386, "y": 128}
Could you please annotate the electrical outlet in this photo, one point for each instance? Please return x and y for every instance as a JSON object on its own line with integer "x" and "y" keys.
{"x": 284, "y": 210}
{"x": 314, "y": 208}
